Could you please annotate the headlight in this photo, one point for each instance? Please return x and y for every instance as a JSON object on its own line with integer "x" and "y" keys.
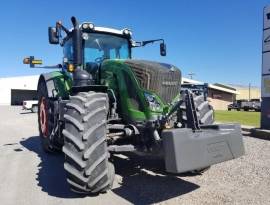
{"x": 88, "y": 26}
{"x": 91, "y": 26}
{"x": 85, "y": 26}
{"x": 126, "y": 32}
{"x": 154, "y": 105}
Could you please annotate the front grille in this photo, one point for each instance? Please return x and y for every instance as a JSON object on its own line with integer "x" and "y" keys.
{"x": 163, "y": 79}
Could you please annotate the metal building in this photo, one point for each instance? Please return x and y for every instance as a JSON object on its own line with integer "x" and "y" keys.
{"x": 14, "y": 90}
{"x": 219, "y": 95}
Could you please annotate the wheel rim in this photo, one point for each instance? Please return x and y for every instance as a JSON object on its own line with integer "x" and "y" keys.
{"x": 43, "y": 117}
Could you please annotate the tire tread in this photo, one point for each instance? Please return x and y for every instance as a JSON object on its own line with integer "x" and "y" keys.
{"x": 86, "y": 162}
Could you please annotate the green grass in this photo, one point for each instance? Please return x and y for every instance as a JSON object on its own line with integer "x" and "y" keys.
{"x": 244, "y": 118}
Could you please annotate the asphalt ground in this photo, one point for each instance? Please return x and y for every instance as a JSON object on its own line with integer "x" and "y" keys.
{"x": 30, "y": 176}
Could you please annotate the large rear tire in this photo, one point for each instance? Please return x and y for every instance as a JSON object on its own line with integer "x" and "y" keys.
{"x": 45, "y": 118}
{"x": 205, "y": 115}
{"x": 86, "y": 156}
{"x": 204, "y": 110}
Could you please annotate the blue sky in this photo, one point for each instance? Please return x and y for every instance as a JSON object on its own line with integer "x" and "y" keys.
{"x": 219, "y": 41}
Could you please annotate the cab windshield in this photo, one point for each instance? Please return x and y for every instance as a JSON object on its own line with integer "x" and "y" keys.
{"x": 98, "y": 47}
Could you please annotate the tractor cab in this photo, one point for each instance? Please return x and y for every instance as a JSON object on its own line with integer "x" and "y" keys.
{"x": 88, "y": 45}
{"x": 98, "y": 44}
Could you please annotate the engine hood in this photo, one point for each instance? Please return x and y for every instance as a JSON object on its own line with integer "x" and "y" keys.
{"x": 161, "y": 78}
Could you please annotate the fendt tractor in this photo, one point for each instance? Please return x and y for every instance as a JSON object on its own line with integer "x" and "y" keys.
{"x": 100, "y": 102}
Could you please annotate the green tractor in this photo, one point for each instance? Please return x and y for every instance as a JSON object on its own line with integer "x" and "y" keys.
{"x": 102, "y": 102}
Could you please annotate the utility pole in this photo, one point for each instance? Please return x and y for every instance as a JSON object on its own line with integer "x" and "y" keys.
{"x": 249, "y": 85}
{"x": 191, "y": 75}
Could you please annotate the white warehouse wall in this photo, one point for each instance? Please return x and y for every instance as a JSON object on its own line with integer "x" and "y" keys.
{"x": 20, "y": 83}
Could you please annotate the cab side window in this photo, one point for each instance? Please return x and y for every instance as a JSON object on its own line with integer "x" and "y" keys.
{"x": 68, "y": 50}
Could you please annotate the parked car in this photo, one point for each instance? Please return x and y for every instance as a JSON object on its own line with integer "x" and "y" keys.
{"x": 253, "y": 104}
{"x": 237, "y": 105}
{"x": 234, "y": 106}
{"x": 30, "y": 105}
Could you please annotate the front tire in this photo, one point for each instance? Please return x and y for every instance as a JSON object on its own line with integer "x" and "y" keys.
{"x": 86, "y": 156}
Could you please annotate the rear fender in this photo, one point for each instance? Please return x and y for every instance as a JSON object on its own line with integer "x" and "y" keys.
{"x": 58, "y": 84}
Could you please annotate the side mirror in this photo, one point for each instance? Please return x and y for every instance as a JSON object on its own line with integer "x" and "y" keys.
{"x": 53, "y": 36}
{"x": 163, "y": 49}
{"x": 32, "y": 61}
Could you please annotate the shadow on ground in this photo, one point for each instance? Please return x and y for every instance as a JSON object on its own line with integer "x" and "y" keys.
{"x": 27, "y": 112}
{"x": 143, "y": 181}
{"x": 51, "y": 176}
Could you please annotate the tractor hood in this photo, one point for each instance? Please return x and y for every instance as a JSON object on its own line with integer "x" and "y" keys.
{"x": 161, "y": 78}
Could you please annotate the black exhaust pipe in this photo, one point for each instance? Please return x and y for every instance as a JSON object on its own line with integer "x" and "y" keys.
{"x": 81, "y": 77}
{"x": 77, "y": 42}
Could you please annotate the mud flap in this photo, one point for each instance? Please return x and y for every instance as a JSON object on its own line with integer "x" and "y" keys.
{"x": 186, "y": 150}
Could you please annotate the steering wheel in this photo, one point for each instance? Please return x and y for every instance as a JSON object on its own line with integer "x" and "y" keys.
{"x": 99, "y": 59}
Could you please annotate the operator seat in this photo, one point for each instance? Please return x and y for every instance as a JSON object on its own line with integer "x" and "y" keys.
{"x": 92, "y": 68}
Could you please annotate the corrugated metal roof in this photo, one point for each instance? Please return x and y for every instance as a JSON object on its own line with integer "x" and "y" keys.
{"x": 212, "y": 86}
{"x": 215, "y": 87}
